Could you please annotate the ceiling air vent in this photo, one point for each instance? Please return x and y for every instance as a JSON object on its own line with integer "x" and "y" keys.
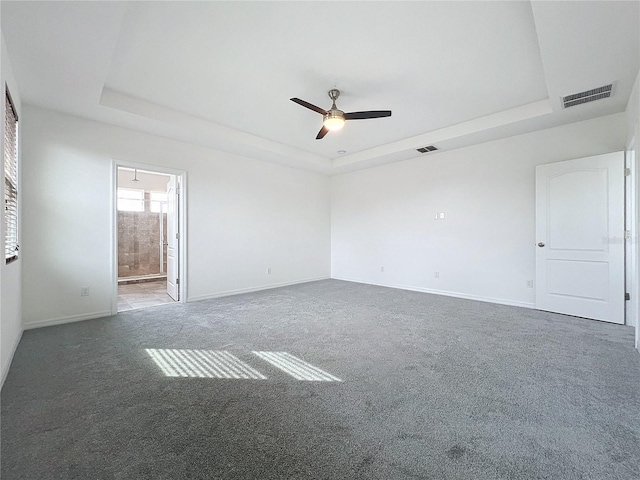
{"x": 427, "y": 149}
{"x": 588, "y": 96}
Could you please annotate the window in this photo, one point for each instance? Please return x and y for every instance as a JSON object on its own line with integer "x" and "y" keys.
{"x": 10, "y": 180}
{"x": 130, "y": 200}
{"x": 158, "y": 202}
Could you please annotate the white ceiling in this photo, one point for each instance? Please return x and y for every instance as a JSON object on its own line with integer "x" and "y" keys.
{"x": 220, "y": 74}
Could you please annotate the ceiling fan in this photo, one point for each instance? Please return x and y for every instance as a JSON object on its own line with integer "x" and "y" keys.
{"x": 333, "y": 119}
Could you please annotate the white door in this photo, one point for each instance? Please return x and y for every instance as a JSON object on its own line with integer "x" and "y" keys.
{"x": 172, "y": 239}
{"x": 580, "y": 237}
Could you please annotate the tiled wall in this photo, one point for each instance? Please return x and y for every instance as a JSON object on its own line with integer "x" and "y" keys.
{"x": 139, "y": 243}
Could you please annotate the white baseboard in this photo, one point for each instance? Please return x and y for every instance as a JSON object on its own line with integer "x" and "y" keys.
{"x": 107, "y": 313}
{"x": 5, "y": 370}
{"x": 253, "y": 289}
{"x": 69, "y": 319}
{"x": 479, "y": 298}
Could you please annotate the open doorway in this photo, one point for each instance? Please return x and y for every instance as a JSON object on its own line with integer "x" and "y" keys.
{"x": 147, "y": 226}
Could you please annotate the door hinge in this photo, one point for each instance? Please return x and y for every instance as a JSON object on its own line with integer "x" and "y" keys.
{"x": 627, "y": 172}
{"x": 177, "y": 235}
{"x": 177, "y": 281}
{"x": 627, "y": 296}
{"x": 627, "y": 234}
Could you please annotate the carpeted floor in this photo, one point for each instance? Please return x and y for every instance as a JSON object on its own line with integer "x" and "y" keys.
{"x": 432, "y": 388}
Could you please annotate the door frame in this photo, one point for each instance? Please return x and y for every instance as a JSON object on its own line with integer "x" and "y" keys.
{"x": 181, "y": 177}
{"x": 632, "y": 247}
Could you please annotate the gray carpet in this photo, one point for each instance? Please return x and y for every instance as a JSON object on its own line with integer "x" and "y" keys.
{"x": 432, "y": 388}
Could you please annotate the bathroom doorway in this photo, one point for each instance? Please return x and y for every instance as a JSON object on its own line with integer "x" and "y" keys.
{"x": 147, "y": 225}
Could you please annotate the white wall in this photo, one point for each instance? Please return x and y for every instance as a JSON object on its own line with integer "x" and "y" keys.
{"x": 243, "y": 215}
{"x": 484, "y": 248}
{"x": 633, "y": 244}
{"x": 10, "y": 310}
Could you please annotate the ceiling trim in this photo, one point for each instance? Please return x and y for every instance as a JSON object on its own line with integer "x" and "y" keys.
{"x": 210, "y": 134}
{"x": 506, "y": 117}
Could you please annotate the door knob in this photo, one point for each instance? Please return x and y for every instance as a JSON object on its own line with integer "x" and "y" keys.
{"x": 541, "y": 244}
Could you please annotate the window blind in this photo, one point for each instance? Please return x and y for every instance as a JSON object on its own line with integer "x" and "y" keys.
{"x": 10, "y": 180}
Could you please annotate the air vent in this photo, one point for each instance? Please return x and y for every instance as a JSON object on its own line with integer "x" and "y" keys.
{"x": 588, "y": 96}
{"x": 427, "y": 149}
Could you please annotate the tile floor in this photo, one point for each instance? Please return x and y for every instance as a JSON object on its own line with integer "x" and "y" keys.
{"x": 140, "y": 295}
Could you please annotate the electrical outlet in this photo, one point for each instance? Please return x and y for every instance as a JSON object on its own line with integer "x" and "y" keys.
{"x": 529, "y": 283}
{"x": 84, "y": 291}
{"x": 269, "y": 271}
{"x": 436, "y": 274}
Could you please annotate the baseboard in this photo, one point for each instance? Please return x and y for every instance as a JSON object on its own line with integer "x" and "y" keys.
{"x": 479, "y": 298}
{"x": 5, "y": 370}
{"x": 69, "y": 319}
{"x": 107, "y": 313}
{"x": 239, "y": 291}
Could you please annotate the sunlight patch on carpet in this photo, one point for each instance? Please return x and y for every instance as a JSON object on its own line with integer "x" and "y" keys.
{"x": 202, "y": 364}
{"x": 297, "y": 368}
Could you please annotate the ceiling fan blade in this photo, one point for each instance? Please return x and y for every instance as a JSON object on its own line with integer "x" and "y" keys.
{"x": 323, "y": 131}
{"x": 365, "y": 115}
{"x": 310, "y": 106}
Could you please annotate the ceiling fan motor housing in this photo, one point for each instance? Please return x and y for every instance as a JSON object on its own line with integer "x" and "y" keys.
{"x": 334, "y": 118}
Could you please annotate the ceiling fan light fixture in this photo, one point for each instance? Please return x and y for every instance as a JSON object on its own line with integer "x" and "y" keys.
{"x": 334, "y": 120}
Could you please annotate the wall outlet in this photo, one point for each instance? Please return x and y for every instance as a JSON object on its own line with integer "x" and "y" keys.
{"x": 436, "y": 274}
{"x": 269, "y": 271}
{"x": 84, "y": 291}
{"x": 439, "y": 216}
{"x": 529, "y": 283}
{"x": 382, "y": 269}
